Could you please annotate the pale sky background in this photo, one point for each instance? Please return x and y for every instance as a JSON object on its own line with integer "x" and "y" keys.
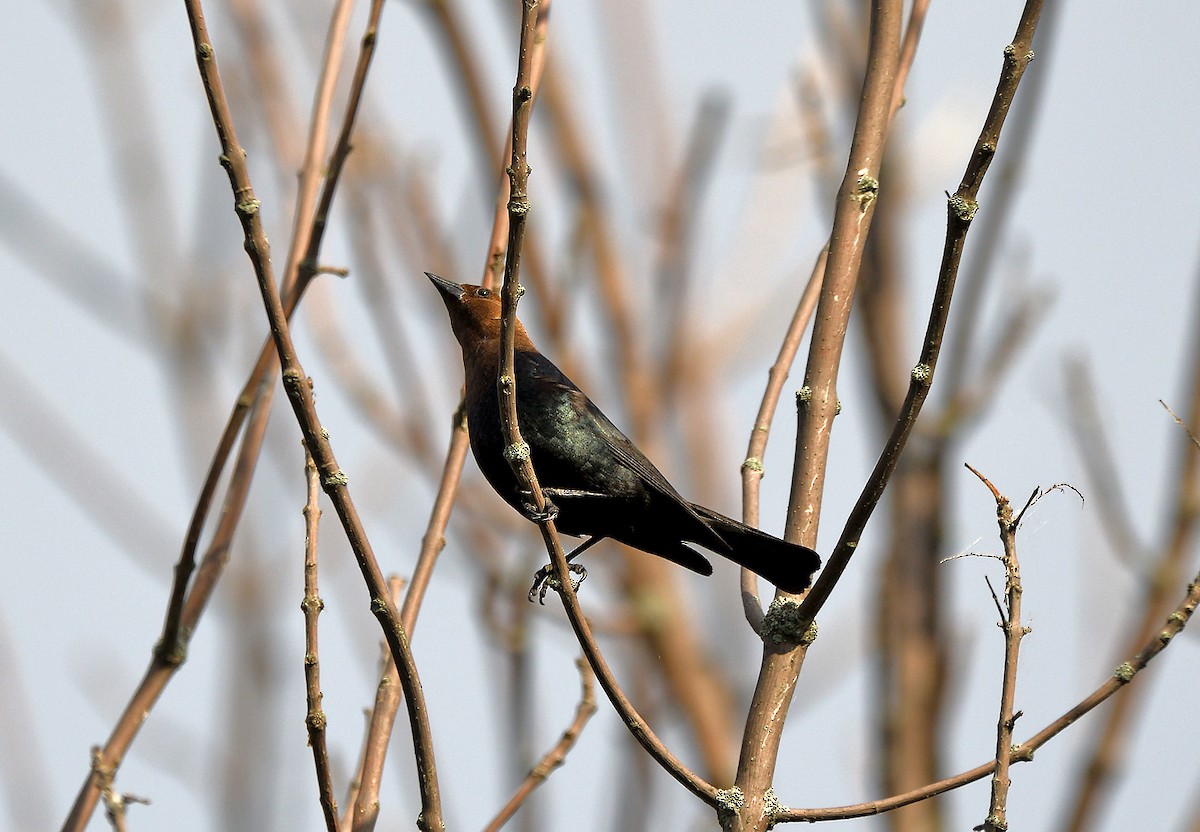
{"x": 1107, "y": 221}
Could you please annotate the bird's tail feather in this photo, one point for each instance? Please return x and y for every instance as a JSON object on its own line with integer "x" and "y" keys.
{"x": 789, "y": 566}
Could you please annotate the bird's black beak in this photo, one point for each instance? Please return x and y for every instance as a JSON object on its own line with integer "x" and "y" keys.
{"x": 449, "y": 289}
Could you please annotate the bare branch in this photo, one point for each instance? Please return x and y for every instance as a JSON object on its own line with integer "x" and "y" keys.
{"x": 1022, "y": 753}
{"x": 299, "y": 390}
{"x": 312, "y": 605}
{"x": 557, "y": 755}
{"x": 960, "y": 212}
{"x": 752, "y": 468}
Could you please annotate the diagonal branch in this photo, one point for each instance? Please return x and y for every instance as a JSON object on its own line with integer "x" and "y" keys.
{"x": 299, "y": 390}
{"x": 557, "y": 755}
{"x": 1023, "y": 753}
{"x": 517, "y": 451}
{"x": 751, "y": 807}
{"x": 960, "y": 212}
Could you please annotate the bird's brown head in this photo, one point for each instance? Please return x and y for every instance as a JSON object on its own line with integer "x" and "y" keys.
{"x": 474, "y": 313}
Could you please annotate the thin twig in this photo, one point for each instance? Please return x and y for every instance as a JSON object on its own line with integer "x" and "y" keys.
{"x": 557, "y": 755}
{"x": 516, "y": 451}
{"x": 988, "y": 237}
{"x": 314, "y": 148}
{"x": 1010, "y": 622}
{"x": 312, "y": 605}
{"x": 364, "y": 800}
{"x": 308, "y": 265}
{"x": 753, "y": 467}
{"x": 464, "y": 59}
{"x": 1022, "y": 753}
{"x": 908, "y": 52}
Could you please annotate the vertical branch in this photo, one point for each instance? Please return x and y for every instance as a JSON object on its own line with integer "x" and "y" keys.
{"x": 510, "y": 292}
{"x": 752, "y": 467}
{"x": 1010, "y": 622}
{"x": 853, "y": 213}
{"x": 363, "y": 800}
{"x": 818, "y": 402}
{"x": 312, "y": 605}
{"x": 318, "y": 131}
{"x": 307, "y": 265}
{"x": 517, "y": 452}
{"x": 981, "y": 265}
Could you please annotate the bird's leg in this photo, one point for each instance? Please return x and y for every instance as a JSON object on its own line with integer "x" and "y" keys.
{"x": 531, "y": 512}
{"x": 545, "y": 578}
{"x": 550, "y": 512}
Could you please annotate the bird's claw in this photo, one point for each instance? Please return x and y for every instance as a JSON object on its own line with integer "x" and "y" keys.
{"x": 550, "y": 512}
{"x": 545, "y": 579}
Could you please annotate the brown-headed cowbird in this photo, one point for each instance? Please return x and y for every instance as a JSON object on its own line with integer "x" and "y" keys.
{"x": 600, "y": 483}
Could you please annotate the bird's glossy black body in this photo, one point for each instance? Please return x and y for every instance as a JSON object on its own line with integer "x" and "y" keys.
{"x": 602, "y": 485}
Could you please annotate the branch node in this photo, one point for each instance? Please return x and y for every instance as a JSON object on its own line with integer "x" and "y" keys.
{"x": 292, "y": 377}
{"x": 754, "y": 464}
{"x": 1124, "y": 672}
{"x": 963, "y": 208}
{"x": 730, "y": 800}
{"x": 866, "y": 190}
{"x": 335, "y": 479}
{"x": 517, "y": 452}
{"x": 772, "y": 806}
{"x": 176, "y": 654}
{"x": 248, "y": 207}
{"x": 782, "y": 624}
{"x": 922, "y": 373}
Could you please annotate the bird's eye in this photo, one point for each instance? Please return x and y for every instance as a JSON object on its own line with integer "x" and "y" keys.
{"x": 483, "y": 293}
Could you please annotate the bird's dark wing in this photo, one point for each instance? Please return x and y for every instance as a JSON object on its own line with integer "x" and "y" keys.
{"x": 603, "y": 440}
{"x": 575, "y": 404}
